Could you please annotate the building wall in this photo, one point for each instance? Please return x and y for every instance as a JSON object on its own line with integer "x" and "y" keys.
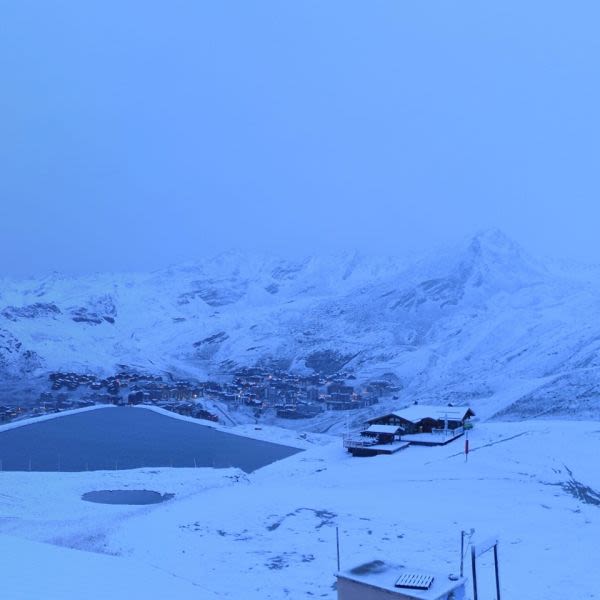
{"x": 352, "y": 590}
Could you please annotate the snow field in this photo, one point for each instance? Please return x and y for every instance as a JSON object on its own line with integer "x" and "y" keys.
{"x": 271, "y": 534}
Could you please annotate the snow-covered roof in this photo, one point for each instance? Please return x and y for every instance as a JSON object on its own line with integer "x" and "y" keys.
{"x": 417, "y": 412}
{"x": 383, "y": 429}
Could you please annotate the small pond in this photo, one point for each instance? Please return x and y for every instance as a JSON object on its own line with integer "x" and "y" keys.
{"x": 134, "y": 497}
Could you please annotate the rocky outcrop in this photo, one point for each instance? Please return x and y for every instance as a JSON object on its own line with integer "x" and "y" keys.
{"x": 31, "y": 311}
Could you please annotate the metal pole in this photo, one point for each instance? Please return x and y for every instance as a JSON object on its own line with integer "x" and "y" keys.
{"x": 497, "y": 574}
{"x": 473, "y": 559}
{"x": 462, "y": 552}
{"x": 337, "y": 543}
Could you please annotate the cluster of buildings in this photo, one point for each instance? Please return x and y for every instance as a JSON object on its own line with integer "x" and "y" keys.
{"x": 295, "y": 396}
{"x": 125, "y": 388}
{"x": 47, "y": 403}
{"x": 288, "y": 395}
{"x": 9, "y": 413}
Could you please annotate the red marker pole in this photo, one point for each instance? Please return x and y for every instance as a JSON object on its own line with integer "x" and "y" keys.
{"x": 466, "y": 448}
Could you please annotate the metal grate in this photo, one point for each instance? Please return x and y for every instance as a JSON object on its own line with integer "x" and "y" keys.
{"x": 414, "y": 581}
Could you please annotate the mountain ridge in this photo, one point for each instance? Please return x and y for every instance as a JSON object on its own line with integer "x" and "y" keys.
{"x": 468, "y": 321}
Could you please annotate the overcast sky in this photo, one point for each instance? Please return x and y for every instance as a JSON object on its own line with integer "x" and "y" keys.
{"x": 135, "y": 134}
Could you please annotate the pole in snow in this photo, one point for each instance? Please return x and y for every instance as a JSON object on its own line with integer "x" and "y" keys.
{"x": 478, "y": 550}
{"x": 496, "y": 570}
{"x": 463, "y": 536}
{"x": 474, "y": 571}
{"x": 462, "y": 552}
{"x": 337, "y": 543}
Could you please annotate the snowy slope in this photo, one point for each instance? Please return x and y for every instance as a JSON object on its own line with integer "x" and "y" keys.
{"x": 481, "y": 322}
{"x": 33, "y": 571}
{"x": 271, "y": 534}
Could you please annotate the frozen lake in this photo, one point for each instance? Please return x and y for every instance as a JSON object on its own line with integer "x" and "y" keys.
{"x": 129, "y": 438}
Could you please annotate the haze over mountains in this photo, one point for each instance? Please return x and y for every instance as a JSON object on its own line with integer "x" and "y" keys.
{"x": 482, "y": 322}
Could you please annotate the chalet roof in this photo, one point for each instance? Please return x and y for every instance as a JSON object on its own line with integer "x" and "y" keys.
{"x": 418, "y": 412}
{"x": 384, "y": 429}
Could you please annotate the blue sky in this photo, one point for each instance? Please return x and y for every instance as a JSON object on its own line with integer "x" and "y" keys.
{"x": 141, "y": 133}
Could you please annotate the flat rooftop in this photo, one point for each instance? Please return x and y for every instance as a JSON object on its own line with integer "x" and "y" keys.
{"x": 383, "y": 575}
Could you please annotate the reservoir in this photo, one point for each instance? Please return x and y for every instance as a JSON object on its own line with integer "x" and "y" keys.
{"x": 129, "y": 438}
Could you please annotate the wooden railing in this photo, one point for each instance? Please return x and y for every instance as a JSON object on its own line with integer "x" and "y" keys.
{"x": 359, "y": 441}
{"x": 448, "y": 432}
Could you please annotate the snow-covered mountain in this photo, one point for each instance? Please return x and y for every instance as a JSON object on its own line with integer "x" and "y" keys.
{"x": 480, "y": 322}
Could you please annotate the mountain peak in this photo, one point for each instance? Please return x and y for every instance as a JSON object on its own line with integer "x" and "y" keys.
{"x": 496, "y": 241}
{"x": 492, "y": 256}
